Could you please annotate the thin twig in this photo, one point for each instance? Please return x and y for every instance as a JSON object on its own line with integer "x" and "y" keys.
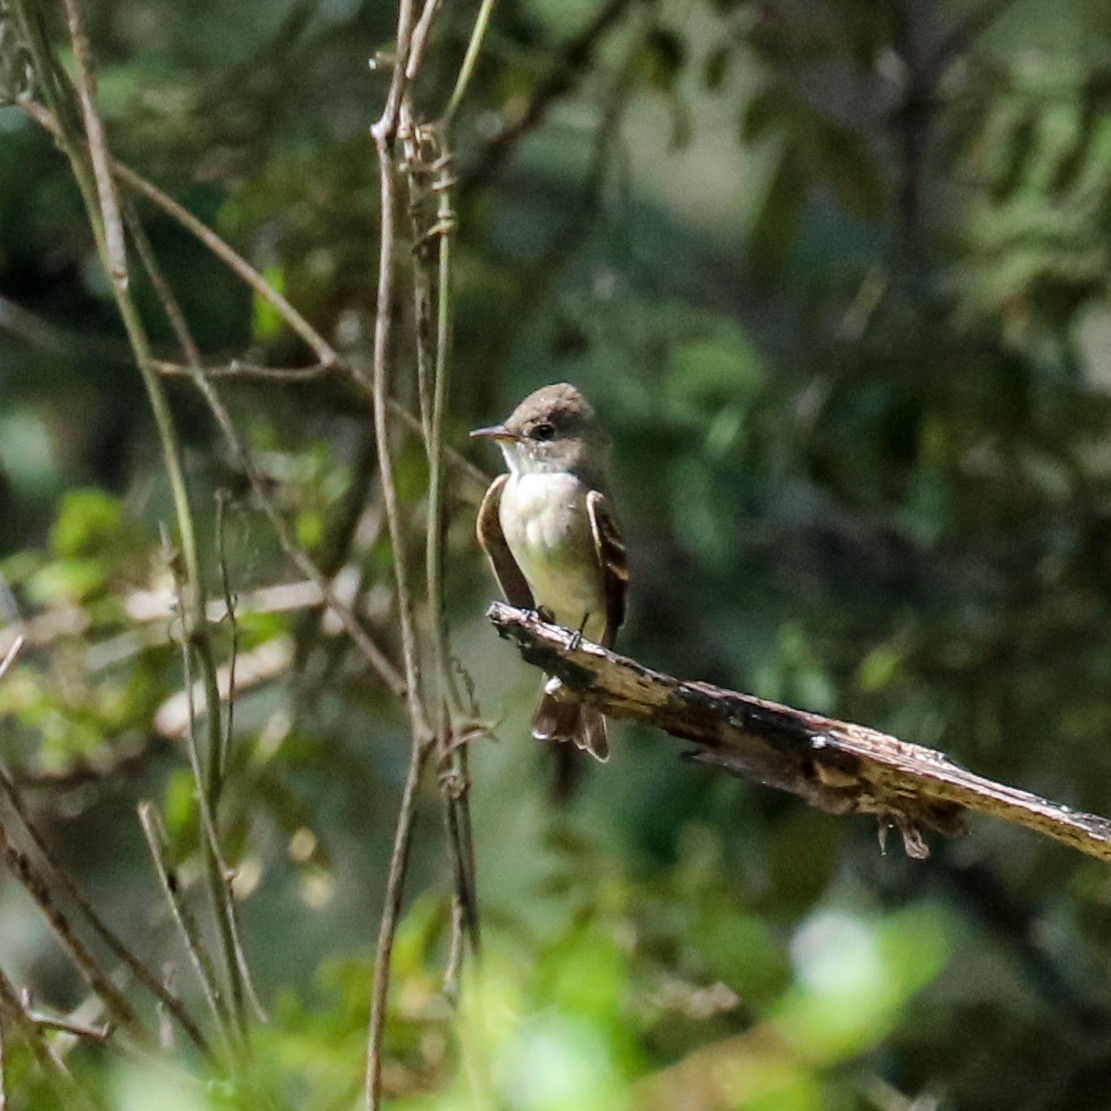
{"x": 233, "y": 623}
{"x": 382, "y": 337}
{"x": 466, "y": 70}
{"x": 419, "y": 38}
{"x": 98, "y": 146}
{"x": 47, "y": 1060}
{"x": 236, "y": 968}
{"x": 247, "y": 273}
{"x": 253, "y": 372}
{"x": 387, "y": 125}
{"x": 384, "y": 134}
{"x": 97, "y": 924}
{"x": 3, "y": 1065}
{"x": 296, "y": 553}
{"x": 573, "y": 61}
{"x": 387, "y": 929}
{"x": 87, "y": 964}
{"x": 99, "y": 1034}
{"x": 241, "y": 371}
{"x": 157, "y": 842}
{"x": 166, "y": 297}
{"x": 10, "y": 655}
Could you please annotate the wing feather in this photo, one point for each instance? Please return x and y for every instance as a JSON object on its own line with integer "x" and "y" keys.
{"x": 610, "y": 546}
{"x": 490, "y": 536}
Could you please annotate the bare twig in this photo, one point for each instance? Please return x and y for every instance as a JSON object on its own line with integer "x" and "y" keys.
{"x": 437, "y": 229}
{"x": 384, "y": 133}
{"x": 98, "y": 147}
{"x": 387, "y": 929}
{"x": 3, "y": 1066}
{"x": 83, "y": 1030}
{"x": 573, "y": 61}
{"x": 382, "y": 337}
{"x": 296, "y": 553}
{"x": 247, "y": 273}
{"x": 236, "y": 370}
{"x": 233, "y": 623}
{"x": 33, "y": 883}
{"x": 10, "y": 655}
{"x": 834, "y": 765}
{"x": 218, "y": 873}
{"x": 248, "y": 372}
{"x": 156, "y": 839}
{"x": 96, "y": 923}
{"x": 15, "y": 1018}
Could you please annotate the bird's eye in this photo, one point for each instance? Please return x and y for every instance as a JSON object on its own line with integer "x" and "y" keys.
{"x": 543, "y": 431}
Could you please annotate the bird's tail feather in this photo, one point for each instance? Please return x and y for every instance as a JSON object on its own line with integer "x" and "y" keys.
{"x": 566, "y": 719}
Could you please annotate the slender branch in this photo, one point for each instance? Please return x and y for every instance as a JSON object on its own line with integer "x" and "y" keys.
{"x": 233, "y": 623}
{"x": 574, "y": 60}
{"x": 104, "y": 218}
{"x": 419, "y": 39}
{"x": 23, "y": 870}
{"x": 47, "y": 1060}
{"x": 834, "y": 765}
{"x": 217, "y": 872}
{"x": 157, "y": 842}
{"x": 116, "y": 248}
{"x": 386, "y": 127}
{"x": 382, "y": 338}
{"x": 10, "y": 655}
{"x": 387, "y": 929}
{"x": 99, "y": 927}
{"x": 296, "y": 553}
{"x": 466, "y": 70}
{"x": 247, "y": 273}
{"x": 967, "y": 31}
{"x": 99, "y": 1034}
{"x": 3, "y": 1065}
{"x": 247, "y": 372}
{"x": 384, "y": 133}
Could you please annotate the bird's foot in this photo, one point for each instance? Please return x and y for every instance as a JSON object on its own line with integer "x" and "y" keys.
{"x": 577, "y": 636}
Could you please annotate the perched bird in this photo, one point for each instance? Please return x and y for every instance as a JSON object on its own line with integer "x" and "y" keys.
{"x": 551, "y": 536}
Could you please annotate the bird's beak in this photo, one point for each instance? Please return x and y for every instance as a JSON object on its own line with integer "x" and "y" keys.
{"x": 495, "y": 432}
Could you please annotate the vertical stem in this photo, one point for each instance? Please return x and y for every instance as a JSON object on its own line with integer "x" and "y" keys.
{"x": 3, "y": 1066}
{"x": 382, "y": 339}
{"x": 387, "y": 929}
{"x": 103, "y": 215}
{"x": 481, "y": 23}
{"x": 384, "y": 133}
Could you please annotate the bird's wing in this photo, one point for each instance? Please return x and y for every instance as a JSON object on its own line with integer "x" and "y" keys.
{"x": 490, "y": 536}
{"x": 610, "y": 547}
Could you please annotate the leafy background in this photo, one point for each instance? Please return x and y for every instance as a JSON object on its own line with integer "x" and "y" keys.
{"x": 835, "y": 274}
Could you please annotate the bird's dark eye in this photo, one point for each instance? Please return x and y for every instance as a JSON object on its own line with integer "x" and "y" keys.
{"x": 543, "y": 431}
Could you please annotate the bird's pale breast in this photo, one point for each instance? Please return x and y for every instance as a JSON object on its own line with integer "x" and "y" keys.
{"x": 547, "y": 527}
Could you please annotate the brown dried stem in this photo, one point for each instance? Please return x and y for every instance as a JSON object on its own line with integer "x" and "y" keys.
{"x": 96, "y": 923}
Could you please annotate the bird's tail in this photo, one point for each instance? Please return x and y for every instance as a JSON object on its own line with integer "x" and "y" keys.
{"x": 559, "y": 717}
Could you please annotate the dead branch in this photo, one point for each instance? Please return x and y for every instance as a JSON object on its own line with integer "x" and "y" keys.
{"x": 836, "y": 766}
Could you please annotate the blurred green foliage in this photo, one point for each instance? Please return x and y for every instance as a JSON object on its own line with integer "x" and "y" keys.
{"x": 836, "y": 276}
